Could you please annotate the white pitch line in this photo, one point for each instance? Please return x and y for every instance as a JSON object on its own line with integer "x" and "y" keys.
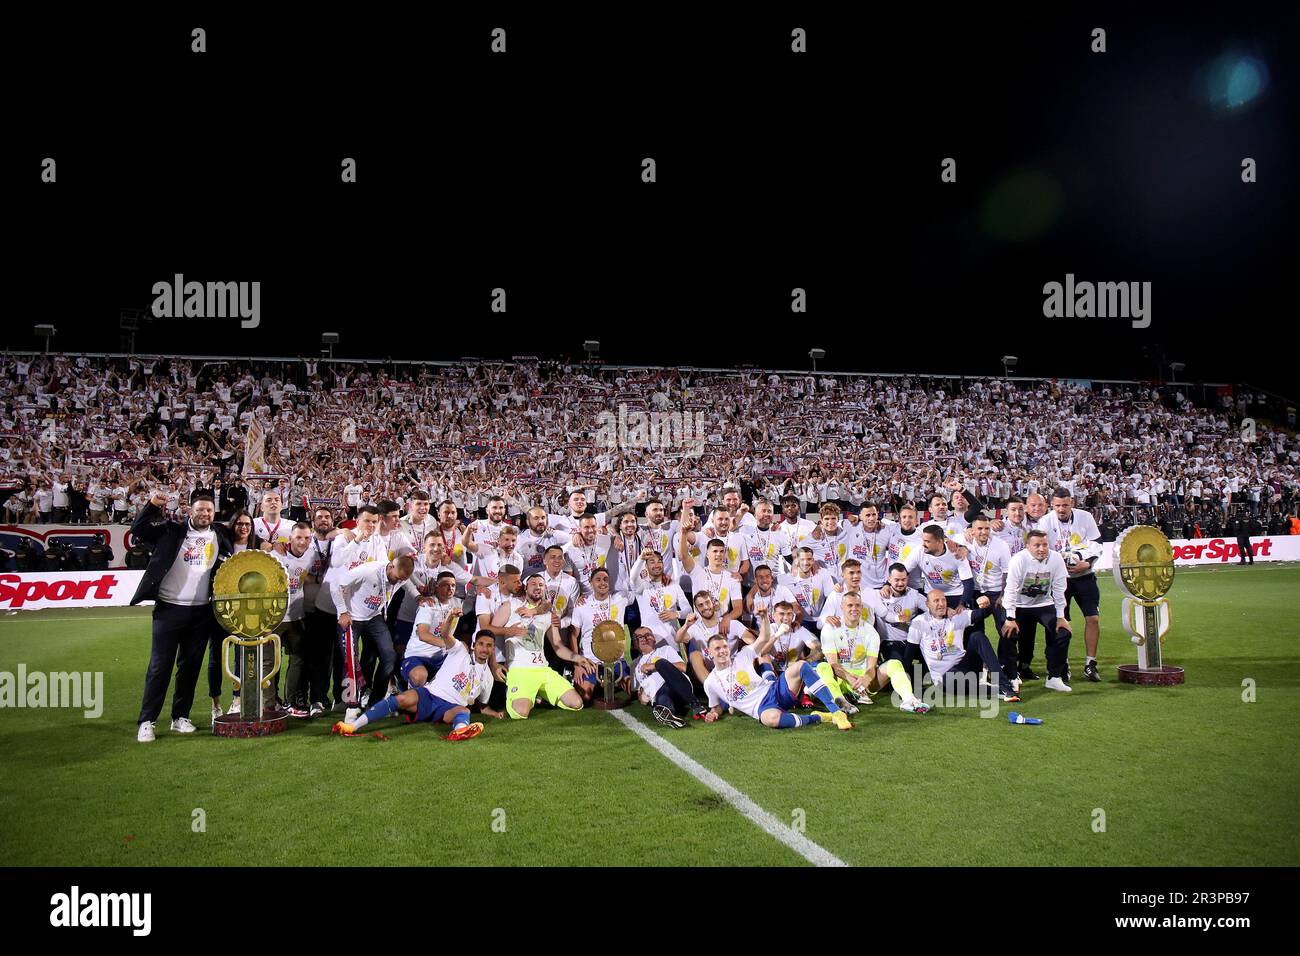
{"x": 806, "y": 848}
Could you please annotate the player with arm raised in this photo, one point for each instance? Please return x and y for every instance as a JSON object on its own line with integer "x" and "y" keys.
{"x": 464, "y": 679}
{"x": 742, "y": 683}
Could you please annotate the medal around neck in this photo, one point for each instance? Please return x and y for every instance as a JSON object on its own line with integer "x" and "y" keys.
{"x": 250, "y": 596}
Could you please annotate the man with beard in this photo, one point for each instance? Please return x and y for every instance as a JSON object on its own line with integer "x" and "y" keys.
{"x": 178, "y": 580}
{"x": 297, "y": 560}
{"x": 452, "y": 533}
{"x": 763, "y": 540}
{"x": 896, "y": 607}
{"x": 588, "y": 552}
{"x": 577, "y": 510}
{"x": 1073, "y": 534}
{"x": 660, "y": 601}
{"x": 525, "y": 624}
{"x": 537, "y": 539}
{"x": 1013, "y": 530}
{"x": 363, "y": 593}
{"x": 713, "y": 576}
{"x": 481, "y": 535}
{"x": 704, "y": 624}
{"x": 809, "y": 584}
{"x": 943, "y": 566}
{"x": 602, "y": 605}
{"x": 323, "y": 648}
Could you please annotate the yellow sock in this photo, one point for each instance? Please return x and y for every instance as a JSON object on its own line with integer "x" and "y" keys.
{"x": 832, "y": 682}
{"x": 898, "y": 677}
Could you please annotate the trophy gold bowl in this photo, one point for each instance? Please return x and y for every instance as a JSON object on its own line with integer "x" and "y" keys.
{"x": 609, "y": 642}
{"x": 1144, "y": 571}
{"x": 250, "y": 597}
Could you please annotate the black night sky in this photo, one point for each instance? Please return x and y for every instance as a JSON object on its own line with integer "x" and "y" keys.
{"x": 775, "y": 170}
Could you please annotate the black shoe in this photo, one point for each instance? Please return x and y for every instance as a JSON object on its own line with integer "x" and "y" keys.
{"x": 666, "y": 717}
{"x": 1090, "y": 672}
{"x": 1027, "y": 673}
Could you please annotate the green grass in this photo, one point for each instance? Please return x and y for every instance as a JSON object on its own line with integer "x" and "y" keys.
{"x": 1187, "y": 775}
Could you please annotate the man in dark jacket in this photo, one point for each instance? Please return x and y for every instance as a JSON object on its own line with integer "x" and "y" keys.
{"x": 178, "y": 580}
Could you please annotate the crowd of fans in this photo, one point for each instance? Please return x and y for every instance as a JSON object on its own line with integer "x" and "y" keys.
{"x": 84, "y": 439}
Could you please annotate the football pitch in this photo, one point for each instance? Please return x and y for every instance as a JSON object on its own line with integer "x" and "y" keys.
{"x": 1197, "y": 775}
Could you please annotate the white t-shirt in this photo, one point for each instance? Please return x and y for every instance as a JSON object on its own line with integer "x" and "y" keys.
{"x": 432, "y": 616}
{"x": 296, "y": 569}
{"x": 942, "y": 641}
{"x": 720, "y": 584}
{"x": 187, "y": 581}
{"x": 739, "y": 685}
{"x": 591, "y": 613}
{"x": 461, "y": 679}
{"x": 699, "y": 634}
{"x": 652, "y": 683}
{"x": 810, "y": 592}
{"x": 655, "y": 600}
{"x": 277, "y": 532}
{"x": 364, "y": 591}
{"x": 989, "y": 563}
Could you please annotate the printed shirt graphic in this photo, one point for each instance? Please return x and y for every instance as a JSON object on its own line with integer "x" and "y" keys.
{"x": 199, "y": 552}
{"x": 700, "y": 633}
{"x": 942, "y": 641}
{"x": 853, "y": 648}
{"x": 461, "y": 679}
{"x": 652, "y": 682}
{"x": 739, "y": 685}
{"x": 810, "y": 592}
{"x": 433, "y": 616}
{"x": 528, "y": 650}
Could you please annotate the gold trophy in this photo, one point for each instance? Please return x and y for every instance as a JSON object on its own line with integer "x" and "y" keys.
{"x": 1144, "y": 571}
{"x": 250, "y": 597}
{"x": 609, "y": 642}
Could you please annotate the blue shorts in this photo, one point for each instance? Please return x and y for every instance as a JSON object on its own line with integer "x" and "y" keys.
{"x": 429, "y": 707}
{"x": 779, "y": 696}
{"x": 620, "y": 671}
{"x": 431, "y": 664}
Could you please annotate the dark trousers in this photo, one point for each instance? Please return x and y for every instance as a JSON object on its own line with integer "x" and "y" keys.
{"x": 377, "y": 642}
{"x": 401, "y": 637}
{"x": 1057, "y": 650}
{"x": 677, "y": 694}
{"x": 216, "y": 673}
{"x": 181, "y": 635}
{"x": 1243, "y": 545}
{"x": 294, "y": 640}
{"x": 979, "y": 655}
{"x": 321, "y": 648}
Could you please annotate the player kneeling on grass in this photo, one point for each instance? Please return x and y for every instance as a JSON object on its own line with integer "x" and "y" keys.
{"x": 527, "y": 626}
{"x": 850, "y": 669}
{"x": 745, "y": 684}
{"x": 462, "y": 679}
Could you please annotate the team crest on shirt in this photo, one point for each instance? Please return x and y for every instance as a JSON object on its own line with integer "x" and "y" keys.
{"x": 859, "y": 654}
{"x": 731, "y": 555}
{"x": 722, "y": 596}
{"x": 905, "y": 614}
{"x": 199, "y": 556}
{"x": 1076, "y": 538}
{"x": 742, "y": 679}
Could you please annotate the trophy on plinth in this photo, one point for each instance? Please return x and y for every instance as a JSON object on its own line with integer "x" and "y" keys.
{"x": 609, "y": 642}
{"x": 1144, "y": 571}
{"x": 250, "y": 597}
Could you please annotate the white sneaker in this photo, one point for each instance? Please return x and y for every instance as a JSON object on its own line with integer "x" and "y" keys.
{"x": 234, "y": 706}
{"x": 144, "y": 733}
{"x": 1055, "y": 683}
{"x": 183, "y": 725}
{"x": 216, "y": 712}
{"x": 351, "y": 714}
{"x": 1015, "y": 684}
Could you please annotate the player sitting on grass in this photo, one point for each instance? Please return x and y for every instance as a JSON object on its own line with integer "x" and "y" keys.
{"x": 950, "y": 653}
{"x": 661, "y": 681}
{"x": 743, "y": 683}
{"x": 461, "y": 680}
{"x": 526, "y": 626}
{"x": 597, "y": 607}
{"x": 851, "y": 650}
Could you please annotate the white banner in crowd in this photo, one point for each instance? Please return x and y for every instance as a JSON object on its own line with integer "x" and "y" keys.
{"x": 1222, "y": 550}
{"x": 118, "y": 537}
{"x": 34, "y": 592}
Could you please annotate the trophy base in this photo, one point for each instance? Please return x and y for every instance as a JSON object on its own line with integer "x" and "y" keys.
{"x": 230, "y": 725}
{"x": 1166, "y": 676}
